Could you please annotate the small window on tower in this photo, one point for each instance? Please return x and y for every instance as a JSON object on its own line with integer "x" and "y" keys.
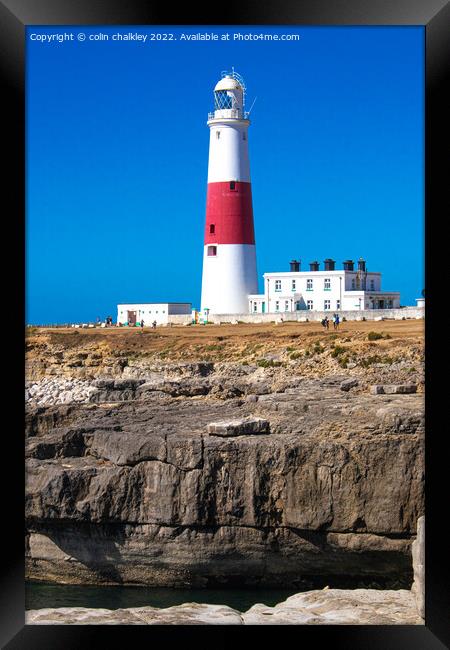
{"x": 212, "y": 251}
{"x": 218, "y": 135}
{"x": 232, "y": 185}
{"x": 212, "y": 229}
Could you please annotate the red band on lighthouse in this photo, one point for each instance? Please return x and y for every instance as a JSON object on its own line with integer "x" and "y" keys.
{"x": 229, "y": 214}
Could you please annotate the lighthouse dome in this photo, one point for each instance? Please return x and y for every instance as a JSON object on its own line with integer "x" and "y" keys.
{"x": 228, "y": 83}
{"x": 229, "y": 95}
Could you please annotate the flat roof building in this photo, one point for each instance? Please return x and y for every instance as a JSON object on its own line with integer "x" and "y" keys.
{"x": 327, "y": 290}
{"x": 132, "y": 313}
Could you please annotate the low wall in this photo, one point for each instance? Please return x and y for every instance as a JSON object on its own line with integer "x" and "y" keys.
{"x": 304, "y": 315}
{"x": 179, "y": 319}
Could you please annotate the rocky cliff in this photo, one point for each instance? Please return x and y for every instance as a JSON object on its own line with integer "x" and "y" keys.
{"x": 268, "y": 471}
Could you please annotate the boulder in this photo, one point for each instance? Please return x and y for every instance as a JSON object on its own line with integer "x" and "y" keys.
{"x": 400, "y": 389}
{"x": 243, "y": 427}
{"x": 393, "y": 389}
{"x": 347, "y": 384}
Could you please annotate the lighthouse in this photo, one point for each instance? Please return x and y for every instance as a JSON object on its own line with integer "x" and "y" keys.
{"x": 229, "y": 254}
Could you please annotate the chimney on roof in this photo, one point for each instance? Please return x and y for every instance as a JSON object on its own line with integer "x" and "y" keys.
{"x": 329, "y": 264}
{"x": 295, "y": 265}
{"x": 314, "y": 266}
{"x": 348, "y": 265}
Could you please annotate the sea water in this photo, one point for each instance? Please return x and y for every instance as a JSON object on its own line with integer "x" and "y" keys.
{"x": 40, "y": 595}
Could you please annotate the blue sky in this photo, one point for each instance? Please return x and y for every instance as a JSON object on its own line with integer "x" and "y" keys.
{"x": 117, "y": 156}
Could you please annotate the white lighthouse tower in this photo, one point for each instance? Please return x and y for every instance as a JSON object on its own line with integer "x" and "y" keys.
{"x": 229, "y": 257}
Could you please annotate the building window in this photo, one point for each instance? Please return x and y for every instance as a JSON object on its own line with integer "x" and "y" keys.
{"x": 327, "y": 284}
{"x": 338, "y": 304}
{"x": 372, "y": 285}
{"x": 255, "y": 306}
{"x": 309, "y": 284}
{"x": 277, "y": 285}
{"x": 212, "y": 229}
{"x": 294, "y": 284}
{"x": 212, "y": 251}
{"x": 232, "y": 185}
{"x": 218, "y": 135}
{"x": 353, "y": 284}
{"x": 286, "y": 305}
{"x": 298, "y": 305}
{"x": 277, "y": 306}
{"x": 244, "y": 136}
{"x": 309, "y": 304}
{"x": 327, "y": 304}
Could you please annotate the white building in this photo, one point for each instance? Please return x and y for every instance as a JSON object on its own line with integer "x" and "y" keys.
{"x": 130, "y": 313}
{"x": 327, "y": 290}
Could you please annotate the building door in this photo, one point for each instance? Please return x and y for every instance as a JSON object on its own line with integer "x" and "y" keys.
{"x": 263, "y": 307}
{"x": 381, "y": 304}
{"x": 132, "y": 318}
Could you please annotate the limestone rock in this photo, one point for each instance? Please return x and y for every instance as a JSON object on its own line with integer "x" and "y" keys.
{"x": 347, "y": 384}
{"x": 186, "y": 614}
{"x": 325, "y": 607}
{"x": 137, "y": 492}
{"x": 81, "y": 616}
{"x": 401, "y": 389}
{"x": 393, "y": 389}
{"x": 124, "y": 448}
{"x": 242, "y": 427}
{"x": 339, "y": 607}
{"x": 418, "y": 557}
{"x": 180, "y": 556}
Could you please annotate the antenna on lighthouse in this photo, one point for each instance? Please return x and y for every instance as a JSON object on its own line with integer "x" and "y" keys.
{"x": 253, "y": 103}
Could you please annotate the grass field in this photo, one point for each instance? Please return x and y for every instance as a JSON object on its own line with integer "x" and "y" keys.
{"x": 222, "y": 342}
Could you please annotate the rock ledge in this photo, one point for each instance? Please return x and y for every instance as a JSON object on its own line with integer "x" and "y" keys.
{"x": 319, "y": 607}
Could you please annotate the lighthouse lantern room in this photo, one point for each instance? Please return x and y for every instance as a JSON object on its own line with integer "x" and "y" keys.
{"x": 229, "y": 256}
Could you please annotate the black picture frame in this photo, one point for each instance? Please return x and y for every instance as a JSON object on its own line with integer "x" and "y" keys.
{"x": 434, "y": 15}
